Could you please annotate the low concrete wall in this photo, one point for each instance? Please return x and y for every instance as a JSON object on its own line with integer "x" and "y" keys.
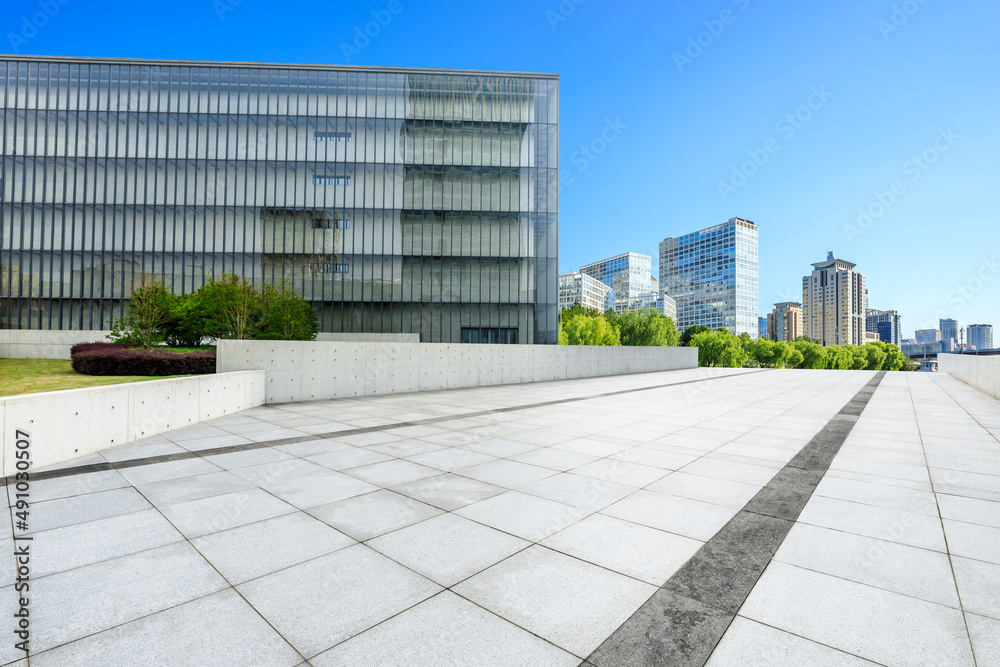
{"x": 302, "y": 371}
{"x": 65, "y": 424}
{"x": 44, "y": 344}
{"x": 368, "y": 337}
{"x": 983, "y": 372}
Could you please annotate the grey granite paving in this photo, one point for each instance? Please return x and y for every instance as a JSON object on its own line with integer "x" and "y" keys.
{"x": 524, "y": 525}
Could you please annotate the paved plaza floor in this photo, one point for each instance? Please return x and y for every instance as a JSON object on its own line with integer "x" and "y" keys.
{"x": 539, "y": 524}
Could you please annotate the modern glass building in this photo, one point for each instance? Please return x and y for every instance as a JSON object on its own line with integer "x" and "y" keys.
{"x": 394, "y": 200}
{"x": 980, "y": 335}
{"x": 886, "y": 323}
{"x": 584, "y": 290}
{"x": 712, "y": 275}
{"x": 628, "y": 274}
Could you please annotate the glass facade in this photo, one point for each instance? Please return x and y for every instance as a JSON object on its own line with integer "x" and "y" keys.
{"x": 886, "y": 323}
{"x": 712, "y": 275}
{"x": 628, "y": 274}
{"x": 981, "y": 336}
{"x": 588, "y": 292}
{"x": 393, "y": 200}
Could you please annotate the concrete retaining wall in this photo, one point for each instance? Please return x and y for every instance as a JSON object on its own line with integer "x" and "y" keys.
{"x": 368, "y": 337}
{"x": 43, "y": 344}
{"x": 983, "y": 372}
{"x": 303, "y": 371}
{"x": 70, "y": 423}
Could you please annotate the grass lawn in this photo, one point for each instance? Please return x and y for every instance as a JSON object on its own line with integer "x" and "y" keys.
{"x": 31, "y": 376}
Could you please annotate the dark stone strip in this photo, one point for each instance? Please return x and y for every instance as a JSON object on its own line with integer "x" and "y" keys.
{"x": 682, "y": 623}
{"x": 230, "y": 449}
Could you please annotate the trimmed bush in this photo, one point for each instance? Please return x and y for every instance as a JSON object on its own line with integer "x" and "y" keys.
{"x": 109, "y": 359}
{"x": 86, "y": 347}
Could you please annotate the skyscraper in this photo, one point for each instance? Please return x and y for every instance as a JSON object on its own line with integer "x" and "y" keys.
{"x": 949, "y": 329}
{"x": 393, "y": 200}
{"x": 886, "y": 323}
{"x": 712, "y": 275}
{"x": 833, "y": 300}
{"x": 581, "y": 288}
{"x": 628, "y": 274}
{"x": 980, "y": 335}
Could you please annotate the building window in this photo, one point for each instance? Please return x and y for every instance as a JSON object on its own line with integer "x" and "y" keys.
{"x": 489, "y": 335}
{"x": 325, "y": 265}
{"x": 332, "y": 136}
{"x": 331, "y": 223}
{"x": 331, "y": 180}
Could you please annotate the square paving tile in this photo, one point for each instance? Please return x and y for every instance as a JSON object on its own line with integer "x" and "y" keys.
{"x": 352, "y": 457}
{"x": 304, "y": 484}
{"x": 211, "y": 515}
{"x": 979, "y": 585}
{"x": 79, "y": 602}
{"x": 690, "y": 518}
{"x": 985, "y": 633}
{"x": 524, "y": 515}
{"x": 372, "y": 514}
{"x": 620, "y": 472}
{"x": 393, "y": 472}
{"x": 973, "y": 540}
{"x": 707, "y": 489}
{"x": 75, "y": 485}
{"x": 584, "y": 492}
{"x": 638, "y": 551}
{"x": 447, "y": 548}
{"x": 452, "y": 459}
{"x": 556, "y": 459}
{"x": 173, "y": 491}
{"x": 75, "y": 510}
{"x": 157, "y": 472}
{"x": 878, "y": 625}
{"x": 751, "y": 644}
{"x": 508, "y": 474}
{"x": 448, "y": 491}
{"x": 910, "y": 528}
{"x": 177, "y": 636}
{"x": 260, "y": 548}
{"x": 445, "y": 630}
{"x": 571, "y": 603}
{"x": 324, "y": 601}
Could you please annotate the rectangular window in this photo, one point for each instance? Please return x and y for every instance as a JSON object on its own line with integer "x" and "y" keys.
{"x": 332, "y": 136}
{"x": 331, "y": 180}
{"x": 495, "y": 335}
{"x": 331, "y": 223}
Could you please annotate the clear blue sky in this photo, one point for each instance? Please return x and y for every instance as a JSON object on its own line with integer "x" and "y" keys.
{"x": 891, "y": 87}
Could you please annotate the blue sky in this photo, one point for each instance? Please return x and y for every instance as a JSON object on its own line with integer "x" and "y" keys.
{"x": 883, "y": 95}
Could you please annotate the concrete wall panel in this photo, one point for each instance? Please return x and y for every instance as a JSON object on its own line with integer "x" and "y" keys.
{"x": 981, "y": 372}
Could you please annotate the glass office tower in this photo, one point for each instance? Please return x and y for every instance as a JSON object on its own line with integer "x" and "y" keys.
{"x": 628, "y": 274}
{"x": 394, "y": 200}
{"x": 712, "y": 275}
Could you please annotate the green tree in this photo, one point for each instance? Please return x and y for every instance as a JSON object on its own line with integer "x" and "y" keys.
{"x": 690, "y": 332}
{"x": 720, "y": 348}
{"x": 232, "y": 308}
{"x": 591, "y": 331}
{"x": 813, "y": 354}
{"x": 644, "y": 328}
{"x": 839, "y": 357}
{"x": 876, "y": 355}
{"x": 149, "y": 309}
{"x": 285, "y": 315}
{"x": 859, "y": 357}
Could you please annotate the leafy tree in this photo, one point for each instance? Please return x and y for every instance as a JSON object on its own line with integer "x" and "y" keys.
{"x": 232, "y": 308}
{"x": 187, "y": 324}
{"x": 285, "y": 315}
{"x": 720, "y": 348}
{"x": 859, "y": 357}
{"x": 813, "y": 354}
{"x": 690, "y": 332}
{"x": 771, "y": 354}
{"x": 591, "y": 331}
{"x": 794, "y": 359}
{"x": 644, "y": 328}
{"x": 148, "y": 310}
{"x": 839, "y": 357}
{"x": 876, "y": 354}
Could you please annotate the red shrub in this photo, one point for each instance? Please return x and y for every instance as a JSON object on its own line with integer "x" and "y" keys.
{"x": 84, "y": 347}
{"x": 107, "y": 359}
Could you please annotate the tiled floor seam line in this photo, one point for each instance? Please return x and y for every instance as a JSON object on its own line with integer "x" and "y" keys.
{"x": 944, "y": 533}
{"x": 229, "y": 449}
{"x": 684, "y": 620}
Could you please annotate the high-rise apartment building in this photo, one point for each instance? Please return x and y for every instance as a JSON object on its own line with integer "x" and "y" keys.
{"x": 833, "y": 299}
{"x": 394, "y": 200}
{"x": 584, "y": 290}
{"x": 655, "y": 301}
{"x": 784, "y": 323}
{"x": 980, "y": 335}
{"x": 628, "y": 274}
{"x": 712, "y": 275}
{"x": 949, "y": 329}
{"x": 886, "y": 323}
{"x": 762, "y": 327}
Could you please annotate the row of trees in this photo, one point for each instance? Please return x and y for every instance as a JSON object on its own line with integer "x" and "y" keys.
{"x": 722, "y": 348}
{"x": 228, "y": 307}
{"x": 587, "y": 326}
